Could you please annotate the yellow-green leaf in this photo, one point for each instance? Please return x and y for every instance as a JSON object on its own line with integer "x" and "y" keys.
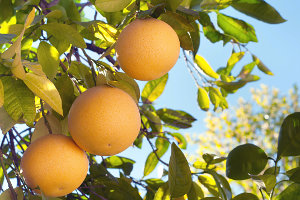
{"x": 205, "y": 67}
{"x": 111, "y": 5}
{"x": 6, "y": 195}
{"x": 6, "y": 122}
{"x": 17, "y": 67}
{"x": 261, "y": 66}
{"x": 203, "y": 99}
{"x": 44, "y": 89}
{"x": 153, "y": 89}
{"x": 30, "y": 18}
{"x": 234, "y": 58}
{"x": 48, "y": 57}
{"x": 123, "y": 85}
{"x": 64, "y": 32}
{"x": 163, "y": 193}
{"x": 1, "y": 94}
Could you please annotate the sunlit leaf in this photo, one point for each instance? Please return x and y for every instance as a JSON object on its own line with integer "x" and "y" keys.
{"x": 196, "y": 193}
{"x": 209, "y": 183}
{"x": 48, "y": 57}
{"x": 118, "y": 162}
{"x": 177, "y": 118}
{"x": 111, "y": 5}
{"x": 203, "y": 99}
{"x": 261, "y": 66}
{"x": 205, "y": 67}
{"x": 153, "y": 89}
{"x": 265, "y": 181}
{"x": 291, "y": 192}
{"x": 154, "y": 121}
{"x": 163, "y": 193}
{"x": 240, "y": 30}
{"x": 182, "y": 143}
{"x": 44, "y": 89}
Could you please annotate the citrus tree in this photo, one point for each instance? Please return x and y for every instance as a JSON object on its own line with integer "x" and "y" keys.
{"x": 62, "y": 82}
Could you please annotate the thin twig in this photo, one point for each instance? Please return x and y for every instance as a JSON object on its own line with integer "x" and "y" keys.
{"x": 13, "y": 192}
{"x": 45, "y": 119}
{"x": 94, "y": 75}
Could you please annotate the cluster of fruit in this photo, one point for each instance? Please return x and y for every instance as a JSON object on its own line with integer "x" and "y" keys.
{"x": 103, "y": 120}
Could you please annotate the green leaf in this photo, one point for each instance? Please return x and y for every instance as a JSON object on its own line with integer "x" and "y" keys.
{"x": 18, "y": 100}
{"x": 244, "y": 160}
{"x": 112, "y": 5}
{"x": 6, "y": 122}
{"x": 266, "y": 181}
{"x": 6, "y": 195}
{"x": 260, "y": 10}
{"x": 261, "y": 66}
{"x": 64, "y": 32}
{"x": 182, "y": 143}
{"x": 177, "y": 22}
{"x": 177, "y": 118}
{"x": 44, "y": 89}
{"x": 82, "y": 72}
{"x": 291, "y": 192}
{"x": 209, "y": 183}
{"x": 234, "y": 58}
{"x": 173, "y": 4}
{"x": 203, "y": 99}
{"x": 195, "y": 36}
{"x": 185, "y": 39}
{"x": 211, "y": 198}
{"x": 125, "y": 86}
{"x": 209, "y": 29}
{"x": 65, "y": 88}
{"x": 1, "y": 94}
{"x": 196, "y": 193}
{"x": 216, "y": 98}
{"x": 154, "y": 121}
{"x": 231, "y": 86}
{"x": 118, "y": 162}
{"x": 205, "y": 67}
{"x": 246, "y": 70}
{"x": 163, "y": 193}
{"x": 61, "y": 45}
{"x": 5, "y": 38}
{"x": 162, "y": 146}
{"x": 294, "y": 174}
{"x": 71, "y": 9}
{"x": 153, "y": 89}
{"x": 222, "y": 185}
{"x": 245, "y": 196}
{"x": 240, "y": 30}
{"x": 48, "y": 57}
{"x": 180, "y": 179}
{"x": 129, "y": 80}
{"x": 215, "y": 4}
{"x": 289, "y": 136}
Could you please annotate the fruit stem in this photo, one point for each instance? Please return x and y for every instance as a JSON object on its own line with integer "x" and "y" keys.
{"x": 13, "y": 192}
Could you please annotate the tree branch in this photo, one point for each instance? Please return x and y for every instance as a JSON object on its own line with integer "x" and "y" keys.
{"x": 13, "y": 192}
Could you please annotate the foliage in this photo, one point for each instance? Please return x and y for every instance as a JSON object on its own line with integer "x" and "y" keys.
{"x": 45, "y": 64}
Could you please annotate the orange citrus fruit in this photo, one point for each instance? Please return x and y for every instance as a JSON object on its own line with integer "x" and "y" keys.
{"x": 55, "y": 165}
{"x": 147, "y": 49}
{"x": 104, "y": 120}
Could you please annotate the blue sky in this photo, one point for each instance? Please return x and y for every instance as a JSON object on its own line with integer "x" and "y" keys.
{"x": 278, "y": 48}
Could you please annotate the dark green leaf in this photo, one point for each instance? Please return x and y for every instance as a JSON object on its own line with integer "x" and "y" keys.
{"x": 129, "y": 80}
{"x": 177, "y": 22}
{"x": 5, "y": 38}
{"x": 185, "y": 39}
{"x": 294, "y": 174}
{"x": 215, "y": 4}
{"x": 6, "y": 122}
{"x": 153, "y": 89}
{"x": 18, "y": 100}
{"x": 240, "y": 30}
{"x": 82, "y": 72}
{"x": 291, "y": 192}
{"x": 195, "y": 35}
{"x": 154, "y": 121}
{"x": 244, "y": 160}
{"x": 245, "y": 196}
{"x": 289, "y": 136}
{"x": 65, "y": 88}
{"x": 180, "y": 179}
{"x": 259, "y": 9}
{"x": 177, "y": 118}
{"x": 196, "y": 193}
{"x": 222, "y": 185}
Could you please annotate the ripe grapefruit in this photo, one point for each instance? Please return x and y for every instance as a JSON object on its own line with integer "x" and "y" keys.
{"x": 55, "y": 165}
{"x": 104, "y": 120}
{"x": 147, "y": 49}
